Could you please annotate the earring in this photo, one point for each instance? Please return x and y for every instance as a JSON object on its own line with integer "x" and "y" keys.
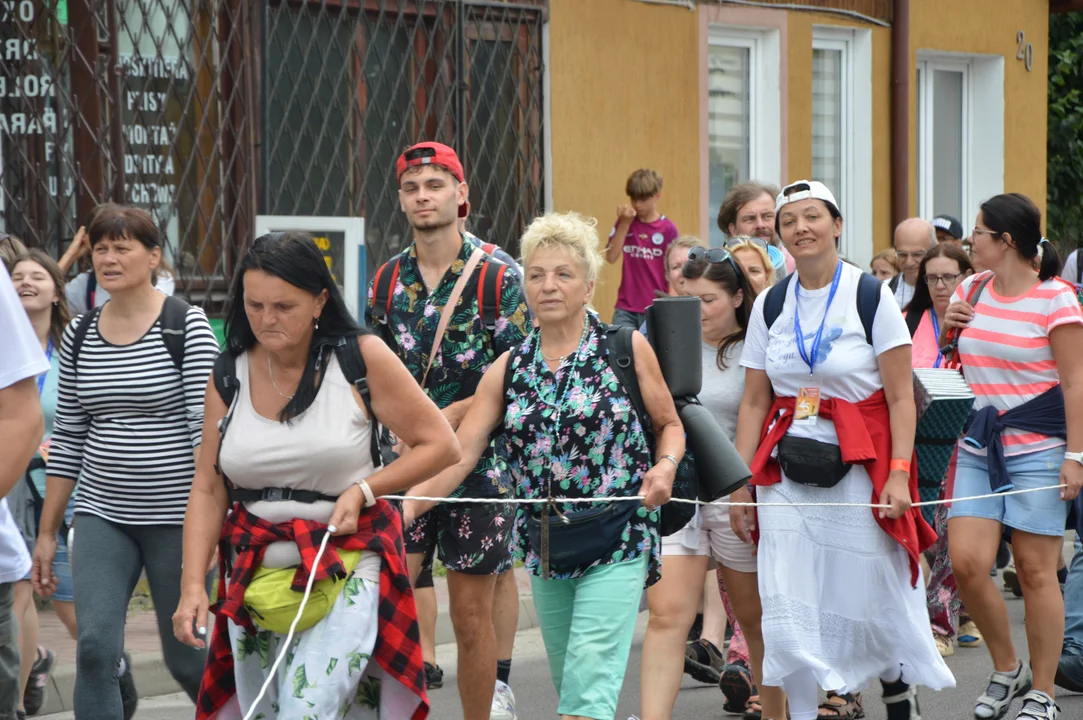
{"x": 316, "y": 322}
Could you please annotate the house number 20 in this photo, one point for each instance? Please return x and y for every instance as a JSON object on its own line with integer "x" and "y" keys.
{"x": 1026, "y": 50}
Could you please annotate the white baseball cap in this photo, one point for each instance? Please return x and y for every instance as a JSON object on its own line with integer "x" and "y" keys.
{"x": 805, "y": 190}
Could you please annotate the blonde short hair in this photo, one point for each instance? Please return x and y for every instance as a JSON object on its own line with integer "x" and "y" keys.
{"x": 571, "y": 231}
{"x": 743, "y": 242}
{"x": 686, "y": 242}
{"x": 888, "y": 255}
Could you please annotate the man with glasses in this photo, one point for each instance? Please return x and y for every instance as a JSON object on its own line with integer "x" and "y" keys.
{"x": 913, "y": 238}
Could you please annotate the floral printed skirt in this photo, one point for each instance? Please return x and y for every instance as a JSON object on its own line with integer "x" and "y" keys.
{"x": 326, "y": 674}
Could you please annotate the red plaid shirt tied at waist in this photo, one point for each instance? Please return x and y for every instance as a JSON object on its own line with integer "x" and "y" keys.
{"x": 379, "y": 530}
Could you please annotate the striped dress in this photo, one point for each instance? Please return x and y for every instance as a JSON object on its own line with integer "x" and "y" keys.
{"x": 127, "y": 421}
{"x": 1006, "y": 355}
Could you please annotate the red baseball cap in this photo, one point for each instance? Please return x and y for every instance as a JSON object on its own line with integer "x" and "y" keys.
{"x": 432, "y": 153}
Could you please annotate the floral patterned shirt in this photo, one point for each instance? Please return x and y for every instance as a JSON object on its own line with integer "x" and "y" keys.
{"x": 599, "y": 449}
{"x": 467, "y": 351}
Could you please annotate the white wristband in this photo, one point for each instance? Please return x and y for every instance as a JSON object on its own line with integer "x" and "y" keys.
{"x": 370, "y": 499}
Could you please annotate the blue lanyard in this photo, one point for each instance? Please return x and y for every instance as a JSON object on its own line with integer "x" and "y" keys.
{"x": 936, "y": 332}
{"x": 811, "y": 362}
{"x": 49, "y": 359}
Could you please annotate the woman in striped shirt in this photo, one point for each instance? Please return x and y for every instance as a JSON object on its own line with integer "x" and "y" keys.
{"x": 128, "y": 425}
{"x": 1019, "y": 348}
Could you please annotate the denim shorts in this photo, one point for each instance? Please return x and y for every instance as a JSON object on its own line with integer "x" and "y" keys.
{"x": 1038, "y": 513}
{"x": 65, "y": 592}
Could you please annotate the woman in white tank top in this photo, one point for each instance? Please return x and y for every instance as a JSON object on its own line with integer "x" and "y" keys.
{"x": 299, "y": 457}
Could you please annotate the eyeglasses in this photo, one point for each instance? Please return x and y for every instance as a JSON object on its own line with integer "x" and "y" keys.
{"x": 903, "y": 256}
{"x": 714, "y": 256}
{"x": 990, "y": 233}
{"x": 741, "y": 240}
{"x": 948, "y": 279}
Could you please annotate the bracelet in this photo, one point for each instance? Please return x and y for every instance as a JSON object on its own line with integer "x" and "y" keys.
{"x": 897, "y": 464}
{"x": 676, "y": 463}
{"x": 370, "y": 499}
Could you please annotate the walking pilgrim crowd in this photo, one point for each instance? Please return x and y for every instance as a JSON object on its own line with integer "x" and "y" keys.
{"x": 249, "y": 484}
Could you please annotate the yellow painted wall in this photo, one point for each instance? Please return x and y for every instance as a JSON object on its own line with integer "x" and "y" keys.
{"x": 624, "y": 79}
{"x": 990, "y": 27}
{"x": 799, "y": 27}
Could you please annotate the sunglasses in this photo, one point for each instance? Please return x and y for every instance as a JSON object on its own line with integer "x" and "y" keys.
{"x": 736, "y": 241}
{"x": 715, "y": 256}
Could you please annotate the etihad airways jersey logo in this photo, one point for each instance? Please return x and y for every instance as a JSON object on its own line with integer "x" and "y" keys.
{"x": 643, "y": 253}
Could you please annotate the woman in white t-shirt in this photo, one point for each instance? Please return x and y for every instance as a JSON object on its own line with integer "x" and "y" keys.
{"x": 726, "y": 297}
{"x": 841, "y": 590}
{"x": 1019, "y": 350}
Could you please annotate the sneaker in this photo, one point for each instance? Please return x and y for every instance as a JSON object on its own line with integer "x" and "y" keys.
{"x": 944, "y": 645}
{"x": 37, "y": 686}
{"x": 1011, "y": 582}
{"x": 703, "y": 661}
{"x": 1070, "y": 673}
{"x": 969, "y": 635}
{"x": 737, "y": 686}
{"x": 503, "y": 703}
{"x": 434, "y": 676}
{"x": 129, "y": 696}
{"x": 1038, "y": 706}
{"x": 1001, "y": 690}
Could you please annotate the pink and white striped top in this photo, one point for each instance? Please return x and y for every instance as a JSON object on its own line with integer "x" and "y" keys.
{"x": 1006, "y": 355}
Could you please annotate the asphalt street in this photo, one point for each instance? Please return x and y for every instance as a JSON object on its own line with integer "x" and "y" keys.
{"x": 537, "y": 699}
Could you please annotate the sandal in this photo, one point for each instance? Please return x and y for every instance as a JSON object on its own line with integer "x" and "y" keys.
{"x": 753, "y": 709}
{"x": 1038, "y": 706}
{"x": 897, "y": 693}
{"x": 737, "y": 687}
{"x": 1001, "y": 690}
{"x": 849, "y": 709}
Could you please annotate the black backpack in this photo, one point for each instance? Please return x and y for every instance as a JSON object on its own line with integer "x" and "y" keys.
{"x": 868, "y": 300}
{"x": 173, "y": 320}
{"x": 350, "y": 360}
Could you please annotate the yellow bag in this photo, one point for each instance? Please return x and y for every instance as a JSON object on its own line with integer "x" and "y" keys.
{"x": 273, "y": 603}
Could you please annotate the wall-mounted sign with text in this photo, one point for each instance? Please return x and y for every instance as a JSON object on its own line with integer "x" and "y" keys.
{"x": 341, "y": 240}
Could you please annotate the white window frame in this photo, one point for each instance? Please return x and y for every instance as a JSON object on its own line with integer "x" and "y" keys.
{"x": 765, "y": 95}
{"x": 983, "y": 128}
{"x": 855, "y": 194}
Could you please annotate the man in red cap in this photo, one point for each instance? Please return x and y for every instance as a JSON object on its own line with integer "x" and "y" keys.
{"x": 473, "y": 541}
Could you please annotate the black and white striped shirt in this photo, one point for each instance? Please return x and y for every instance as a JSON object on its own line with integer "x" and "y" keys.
{"x": 127, "y": 422}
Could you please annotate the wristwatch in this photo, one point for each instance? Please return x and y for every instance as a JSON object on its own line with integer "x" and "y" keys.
{"x": 1077, "y": 457}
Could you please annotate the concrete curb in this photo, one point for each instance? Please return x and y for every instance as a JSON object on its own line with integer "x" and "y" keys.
{"x": 152, "y": 678}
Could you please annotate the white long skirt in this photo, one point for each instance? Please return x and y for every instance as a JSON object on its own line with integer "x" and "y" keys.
{"x": 836, "y": 592}
{"x": 328, "y": 672}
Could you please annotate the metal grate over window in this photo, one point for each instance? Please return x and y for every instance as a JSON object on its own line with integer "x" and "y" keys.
{"x": 207, "y": 112}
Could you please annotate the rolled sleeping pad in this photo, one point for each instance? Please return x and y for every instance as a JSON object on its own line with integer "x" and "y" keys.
{"x": 719, "y": 468}
{"x": 675, "y": 333}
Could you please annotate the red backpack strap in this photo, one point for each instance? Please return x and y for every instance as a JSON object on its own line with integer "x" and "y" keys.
{"x": 383, "y": 288}
{"x": 489, "y": 283}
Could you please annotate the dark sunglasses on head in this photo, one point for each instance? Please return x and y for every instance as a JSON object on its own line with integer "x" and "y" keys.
{"x": 735, "y": 241}
{"x": 714, "y": 256}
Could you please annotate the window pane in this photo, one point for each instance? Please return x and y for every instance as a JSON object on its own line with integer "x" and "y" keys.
{"x": 947, "y": 139}
{"x": 728, "y": 135}
{"x": 827, "y": 118}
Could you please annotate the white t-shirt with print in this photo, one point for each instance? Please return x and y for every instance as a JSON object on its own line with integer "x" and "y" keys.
{"x": 846, "y": 365}
{"x": 22, "y": 358}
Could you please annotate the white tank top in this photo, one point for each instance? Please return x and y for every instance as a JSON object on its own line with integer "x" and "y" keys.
{"x": 324, "y": 449}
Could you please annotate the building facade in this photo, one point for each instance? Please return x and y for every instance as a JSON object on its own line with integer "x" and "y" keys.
{"x": 211, "y": 113}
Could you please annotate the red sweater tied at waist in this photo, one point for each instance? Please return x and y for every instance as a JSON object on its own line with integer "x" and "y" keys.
{"x": 379, "y": 530}
{"x": 864, "y": 432}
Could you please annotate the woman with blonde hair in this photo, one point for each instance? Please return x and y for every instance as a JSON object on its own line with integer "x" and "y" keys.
{"x": 572, "y": 432}
{"x": 752, "y": 254}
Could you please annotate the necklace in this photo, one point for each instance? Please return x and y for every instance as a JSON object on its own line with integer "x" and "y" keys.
{"x": 271, "y": 372}
{"x": 559, "y": 359}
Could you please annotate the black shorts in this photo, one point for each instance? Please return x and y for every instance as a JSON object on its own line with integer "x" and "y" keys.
{"x": 471, "y": 538}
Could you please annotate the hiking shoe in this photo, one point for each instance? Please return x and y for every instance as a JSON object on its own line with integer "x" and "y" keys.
{"x": 1001, "y": 690}
{"x": 434, "y": 676}
{"x": 503, "y": 707}
{"x": 1011, "y": 582}
{"x": 1070, "y": 673}
{"x": 129, "y": 696}
{"x": 737, "y": 686}
{"x": 969, "y": 635}
{"x": 1038, "y": 706}
{"x": 703, "y": 661}
{"x": 37, "y": 686}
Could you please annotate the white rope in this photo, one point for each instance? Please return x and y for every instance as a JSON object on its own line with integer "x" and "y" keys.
{"x": 293, "y": 626}
{"x": 716, "y": 503}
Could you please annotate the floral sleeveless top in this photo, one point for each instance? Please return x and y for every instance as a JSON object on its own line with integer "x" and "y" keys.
{"x": 599, "y": 449}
